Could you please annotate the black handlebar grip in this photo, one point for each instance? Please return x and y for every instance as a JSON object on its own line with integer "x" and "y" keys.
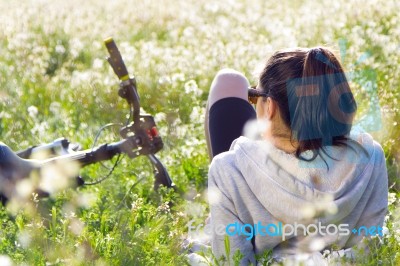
{"x": 115, "y": 60}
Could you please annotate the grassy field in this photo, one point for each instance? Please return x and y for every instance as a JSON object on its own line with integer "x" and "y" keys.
{"x": 55, "y": 82}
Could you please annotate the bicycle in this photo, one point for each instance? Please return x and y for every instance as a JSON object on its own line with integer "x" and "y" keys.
{"x": 139, "y": 135}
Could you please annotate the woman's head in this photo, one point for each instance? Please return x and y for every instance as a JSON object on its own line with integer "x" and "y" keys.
{"x": 310, "y": 101}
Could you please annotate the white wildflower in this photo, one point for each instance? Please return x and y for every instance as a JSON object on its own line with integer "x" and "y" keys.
{"x": 6, "y": 260}
{"x": 58, "y": 176}
{"x": 55, "y": 108}
{"x": 192, "y": 88}
{"x": 76, "y": 226}
{"x": 32, "y": 111}
{"x": 213, "y": 196}
{"x": 25, "y": 238}
{"x": 164, "y": 207}
{"x": 98, "y": 63}
{"x": 60, "y": 49}
{"x": 24, "y": 188}
{"x": 317, "y": 244}
{"x": 254, "y": 129}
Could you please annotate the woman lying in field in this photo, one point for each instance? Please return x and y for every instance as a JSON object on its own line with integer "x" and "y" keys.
{"x": 308, "y": 183}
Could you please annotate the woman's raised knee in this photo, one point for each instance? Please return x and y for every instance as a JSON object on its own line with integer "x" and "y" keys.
{"x": 228, "y": 83}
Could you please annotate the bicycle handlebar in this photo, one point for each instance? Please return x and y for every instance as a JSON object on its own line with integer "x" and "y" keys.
{"x": 115, "y": 60}
{"x": 143, "y": 126}
{"x": 128, "y": 84}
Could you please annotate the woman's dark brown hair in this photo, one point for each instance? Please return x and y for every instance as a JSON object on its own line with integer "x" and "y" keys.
{"x": 313, "y": 96}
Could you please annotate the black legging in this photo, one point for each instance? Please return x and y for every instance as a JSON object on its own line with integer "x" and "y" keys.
{"x": 227, "y": 118}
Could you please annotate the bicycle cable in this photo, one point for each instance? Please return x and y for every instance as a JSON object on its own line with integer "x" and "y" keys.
{"x": 119, "y": 156}
{"x": 98, "y": 135}
{"x": 101, "y": 130}
{"x": 108, "y": 175}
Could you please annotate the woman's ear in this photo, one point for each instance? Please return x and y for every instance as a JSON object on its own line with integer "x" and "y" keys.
{"x": 268, "y": 108}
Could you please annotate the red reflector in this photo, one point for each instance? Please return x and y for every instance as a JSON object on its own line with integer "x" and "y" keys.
{"x": 149, "y": 134}
{"x": 154, "y": 132}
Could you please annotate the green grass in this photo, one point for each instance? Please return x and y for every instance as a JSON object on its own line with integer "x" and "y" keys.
{"x": 52, "y": 61}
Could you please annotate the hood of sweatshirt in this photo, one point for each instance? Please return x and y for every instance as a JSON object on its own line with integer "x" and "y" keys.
{"x": 327, "y": 188}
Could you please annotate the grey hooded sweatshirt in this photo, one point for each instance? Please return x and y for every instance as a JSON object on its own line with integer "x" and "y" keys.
{"x": 266, "y": 199}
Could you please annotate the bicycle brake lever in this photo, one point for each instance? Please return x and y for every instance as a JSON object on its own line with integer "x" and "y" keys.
{"x": 161, "y": 175}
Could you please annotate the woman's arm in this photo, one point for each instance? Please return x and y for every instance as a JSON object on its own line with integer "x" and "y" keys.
{"x": 223, "y": 215}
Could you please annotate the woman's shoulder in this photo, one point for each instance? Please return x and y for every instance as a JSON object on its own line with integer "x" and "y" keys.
{"x": 246, "y": 155}
{"x": 238, "y": 147}
{"x": 367, "y": 143}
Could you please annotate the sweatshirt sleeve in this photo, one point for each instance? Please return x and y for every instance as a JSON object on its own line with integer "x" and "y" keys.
{"x": 376, "y": 208}
{"x": 223, "y": 214}
{"x": 377, "y": 204}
